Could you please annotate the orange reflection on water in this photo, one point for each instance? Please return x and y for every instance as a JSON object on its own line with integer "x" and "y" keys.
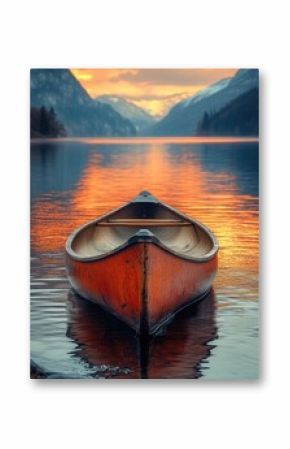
{"x": 210, "y": 197}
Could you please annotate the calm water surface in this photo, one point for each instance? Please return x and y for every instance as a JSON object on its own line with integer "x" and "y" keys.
{"x": 217, "y": 183}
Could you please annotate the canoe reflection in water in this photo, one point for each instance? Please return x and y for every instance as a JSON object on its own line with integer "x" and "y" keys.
{"x": 113, "y": 350}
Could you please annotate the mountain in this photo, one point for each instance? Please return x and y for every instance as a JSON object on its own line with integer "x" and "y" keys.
{"x": 239, "y": 117}
{"x": 212, "y": 89}
{"x": 142, "y": 121}
{"x": 76, "y": 110}
{"x": 185, "y": 116}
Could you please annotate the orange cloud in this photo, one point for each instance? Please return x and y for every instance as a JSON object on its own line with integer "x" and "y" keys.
{"x": 155, "y": 90}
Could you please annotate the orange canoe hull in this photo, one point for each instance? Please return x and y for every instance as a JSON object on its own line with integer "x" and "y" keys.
{"x": 142, "y": 284}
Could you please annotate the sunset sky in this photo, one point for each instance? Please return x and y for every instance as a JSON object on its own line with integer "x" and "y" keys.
{"x": 155, "y": 90}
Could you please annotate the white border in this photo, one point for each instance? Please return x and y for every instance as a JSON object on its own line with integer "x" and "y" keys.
{"x": 165, "y": 414}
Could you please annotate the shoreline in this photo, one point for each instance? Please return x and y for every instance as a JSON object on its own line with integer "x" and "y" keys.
{"x": 194, "y": 140}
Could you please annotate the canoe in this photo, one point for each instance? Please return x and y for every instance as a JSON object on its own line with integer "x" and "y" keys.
{"x": 143, "y": 262}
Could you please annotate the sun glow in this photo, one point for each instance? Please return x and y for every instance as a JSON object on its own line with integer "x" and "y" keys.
{"x": 155, "y": 90}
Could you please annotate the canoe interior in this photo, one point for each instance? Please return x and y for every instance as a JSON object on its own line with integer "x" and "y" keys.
{"x": 98, "y": 238}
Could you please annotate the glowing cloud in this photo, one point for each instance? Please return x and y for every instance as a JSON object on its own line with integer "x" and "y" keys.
{"x": 155, "y": 90}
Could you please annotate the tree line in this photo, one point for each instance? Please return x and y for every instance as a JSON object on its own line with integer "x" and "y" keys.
{"x": 240, "y": 117}
{"x": 44, "y": 123}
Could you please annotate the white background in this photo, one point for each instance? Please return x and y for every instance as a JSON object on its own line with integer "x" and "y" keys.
{"x": 140, "y": 414}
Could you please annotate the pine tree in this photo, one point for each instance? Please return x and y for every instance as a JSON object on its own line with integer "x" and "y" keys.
{"x": 44, "y": 122}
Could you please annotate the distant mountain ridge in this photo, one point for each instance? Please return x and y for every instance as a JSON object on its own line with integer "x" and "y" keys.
{"x": 79, "y": 113}
{"x": 185, "y": 117}
{"x": 205, "y": 93}
{"x": 142, "y": 121}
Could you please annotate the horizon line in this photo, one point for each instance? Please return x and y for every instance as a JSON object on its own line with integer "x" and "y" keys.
{"x": 150, "y": 139}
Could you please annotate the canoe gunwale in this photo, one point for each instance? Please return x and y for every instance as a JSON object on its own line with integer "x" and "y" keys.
{"x": 139, "y": 237}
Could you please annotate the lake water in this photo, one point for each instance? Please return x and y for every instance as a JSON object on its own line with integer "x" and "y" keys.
{"x": 73, "y": 181}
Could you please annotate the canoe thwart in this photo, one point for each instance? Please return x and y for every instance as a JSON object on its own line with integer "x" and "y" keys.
{"x": 140, "y": 222}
